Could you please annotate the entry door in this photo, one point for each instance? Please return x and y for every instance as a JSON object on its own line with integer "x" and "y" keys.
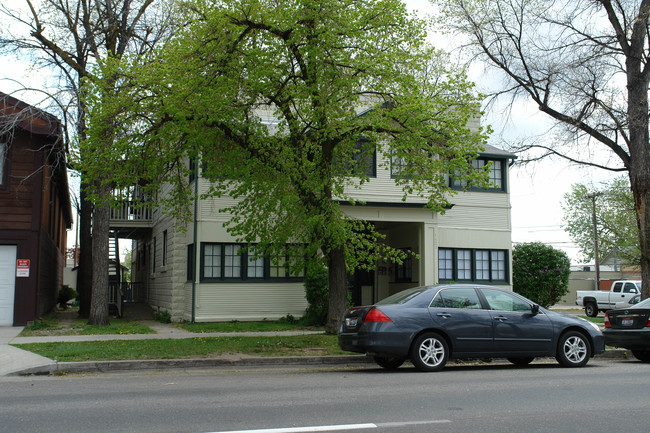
{"x": 7, "y": 284}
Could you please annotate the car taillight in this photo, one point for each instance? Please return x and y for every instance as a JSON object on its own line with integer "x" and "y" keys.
{"x": 647, "y": 324}
{"x": 607, "y": 323}
{"x": 374, "y": 315}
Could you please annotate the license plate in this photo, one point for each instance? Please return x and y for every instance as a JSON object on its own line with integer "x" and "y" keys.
{"x": 351, "y": 322}
{"x": 627, "y": 322}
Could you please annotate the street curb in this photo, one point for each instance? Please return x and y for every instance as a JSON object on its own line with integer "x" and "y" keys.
{"x": 163, "y": 364}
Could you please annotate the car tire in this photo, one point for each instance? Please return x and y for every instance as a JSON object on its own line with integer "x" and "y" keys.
{"x": 573, "y": 349}
{"x": 389, "y": 363}
{"x": 429, "y": 352}
{"x": 591, "y": 309}
{"x": 521, "y": 361}
{"x": 642, "y": 355}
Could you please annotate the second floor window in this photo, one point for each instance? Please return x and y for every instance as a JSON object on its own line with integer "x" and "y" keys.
{"x": 496, "y": 175}
{"x": 3, "y": 158}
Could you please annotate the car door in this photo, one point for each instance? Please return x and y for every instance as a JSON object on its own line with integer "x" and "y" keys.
{"x": 460, "y": 314}
{"x": 517, "y": 329}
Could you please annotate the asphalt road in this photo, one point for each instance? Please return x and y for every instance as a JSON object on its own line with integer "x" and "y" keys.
{"x": 605, "y": 396}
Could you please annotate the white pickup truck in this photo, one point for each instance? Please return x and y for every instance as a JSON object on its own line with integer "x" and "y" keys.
{"x": 594, "y": 301}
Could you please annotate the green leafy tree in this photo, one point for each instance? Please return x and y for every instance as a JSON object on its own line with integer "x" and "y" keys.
{"x": 585, "y": 65}
{"x": 68, "y": 39}
{"x": 540, "y": 272}
{"x": 615, "y": 220}
{"x": 287, "y": 104}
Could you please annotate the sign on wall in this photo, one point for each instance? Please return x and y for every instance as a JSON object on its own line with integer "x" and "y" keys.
{"x": 22, "y": 268}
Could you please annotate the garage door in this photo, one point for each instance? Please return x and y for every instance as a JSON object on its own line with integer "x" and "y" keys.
{"x": 7, "y": 284}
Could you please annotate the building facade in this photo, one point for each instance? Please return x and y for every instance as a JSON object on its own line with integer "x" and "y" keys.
{"x": 35, "y": 211}
{"x": 198, "y": 273}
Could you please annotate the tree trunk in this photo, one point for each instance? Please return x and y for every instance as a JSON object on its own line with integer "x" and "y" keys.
{"x": 338, "y": 293}
{"x": 639, "y": 165}
{"x": 99, "y": 300}
{"x": 84, "y": 270}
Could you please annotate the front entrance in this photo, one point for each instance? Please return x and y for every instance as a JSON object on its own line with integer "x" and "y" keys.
{"x": 7, "y": 284}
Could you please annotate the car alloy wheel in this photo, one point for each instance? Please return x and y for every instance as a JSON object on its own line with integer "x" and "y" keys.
{"x": 573, "y": 350}
{"x": 429, "y": 352}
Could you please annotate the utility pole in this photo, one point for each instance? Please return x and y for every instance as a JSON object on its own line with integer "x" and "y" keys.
{"x": 593, "y": 197}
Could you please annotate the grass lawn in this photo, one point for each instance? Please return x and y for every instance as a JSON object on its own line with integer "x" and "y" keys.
{"x": 66, "y": 323}
{"x": 199, "y": 347}
{"x": 264, "y": 326}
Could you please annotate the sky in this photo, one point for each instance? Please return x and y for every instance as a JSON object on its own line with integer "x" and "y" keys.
{"x": 537, "y": 190}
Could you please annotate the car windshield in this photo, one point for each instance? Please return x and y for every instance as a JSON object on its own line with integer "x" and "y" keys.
{"x": 643, "y": 304}
{"x": 402, "y": 297}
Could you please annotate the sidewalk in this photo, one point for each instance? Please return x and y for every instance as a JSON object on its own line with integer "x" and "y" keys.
{"x": 14, "y": 361}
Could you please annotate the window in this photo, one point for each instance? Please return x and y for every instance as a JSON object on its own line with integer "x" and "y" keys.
{"x": 501, "y": 301}
{"x": 153, "y": 256}
{"x": 362, "y": 161}
{"x": 397, "y": 167}
{"x": 164, "y": 249}
{"x": 255, "y": 263}
{"x": 241, "y": 262}
{"x": 457, "y": 298}
{"x": 496, "y": 175}
{"x": 190, "y": 262}
{"x": 472, "y": 265}
{"x": 404, "y": 270}
{"x": 3, "y": 157}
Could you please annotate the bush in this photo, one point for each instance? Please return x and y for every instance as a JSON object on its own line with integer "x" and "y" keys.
{"x": 317, "y": 294}
{"x": 163, "y": 316}
{"x": 65, "y": 294}
{"x": 540, "y": 273}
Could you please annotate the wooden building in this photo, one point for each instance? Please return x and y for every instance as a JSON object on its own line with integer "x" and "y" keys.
{"x": 35, "y": 211}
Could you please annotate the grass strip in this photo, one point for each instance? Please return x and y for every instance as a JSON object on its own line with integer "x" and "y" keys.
{"x": 80, "y": 327}
{"x": 264, "y": 326}
{"x": 199, "y": 347}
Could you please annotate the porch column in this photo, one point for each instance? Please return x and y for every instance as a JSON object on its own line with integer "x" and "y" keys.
{"x": 428, "y": 258}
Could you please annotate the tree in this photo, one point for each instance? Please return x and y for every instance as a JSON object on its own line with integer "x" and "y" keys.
{"x": 614, "y": 216}
{"x": 70, "y": 38}
{"x": 540, "y": 273}
{"x": 585, "y": 64}
{"x": 286, "y": 104}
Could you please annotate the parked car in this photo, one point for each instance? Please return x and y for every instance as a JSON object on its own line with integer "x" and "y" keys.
{"x": 430, "y": 325}
{"x": 629, "y": 328}
{"x": 626, "y": 304}
{"x": 594, "y": 301}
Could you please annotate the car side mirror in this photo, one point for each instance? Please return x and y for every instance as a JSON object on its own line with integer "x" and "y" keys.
{"x": 534, "y": 308}
{"x": 635, "y": 291}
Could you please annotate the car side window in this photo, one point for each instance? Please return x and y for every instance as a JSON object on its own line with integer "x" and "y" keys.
{"x": 503, "y": 301}
{"x": 629, "y": 288}
{"x": 617, "y": 287}
{"x": 457, "y": 298}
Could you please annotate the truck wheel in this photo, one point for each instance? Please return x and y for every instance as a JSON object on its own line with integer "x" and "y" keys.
{"x": 642, "y": 355}
{"x": 429, "y": 352}
{"x": 572, "y": 349}
{"x": 591, "y": 309}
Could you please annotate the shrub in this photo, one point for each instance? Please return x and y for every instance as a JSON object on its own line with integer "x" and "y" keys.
{"x": 163, "y": 316}
{"x": 317, "y": 294}
{"x": 65, "y": 294}
{"x": 540, "y": 272}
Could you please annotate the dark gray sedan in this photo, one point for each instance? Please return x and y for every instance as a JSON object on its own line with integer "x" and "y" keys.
{"x": 630, "y": 328}
{"x": 430, "y": 325}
